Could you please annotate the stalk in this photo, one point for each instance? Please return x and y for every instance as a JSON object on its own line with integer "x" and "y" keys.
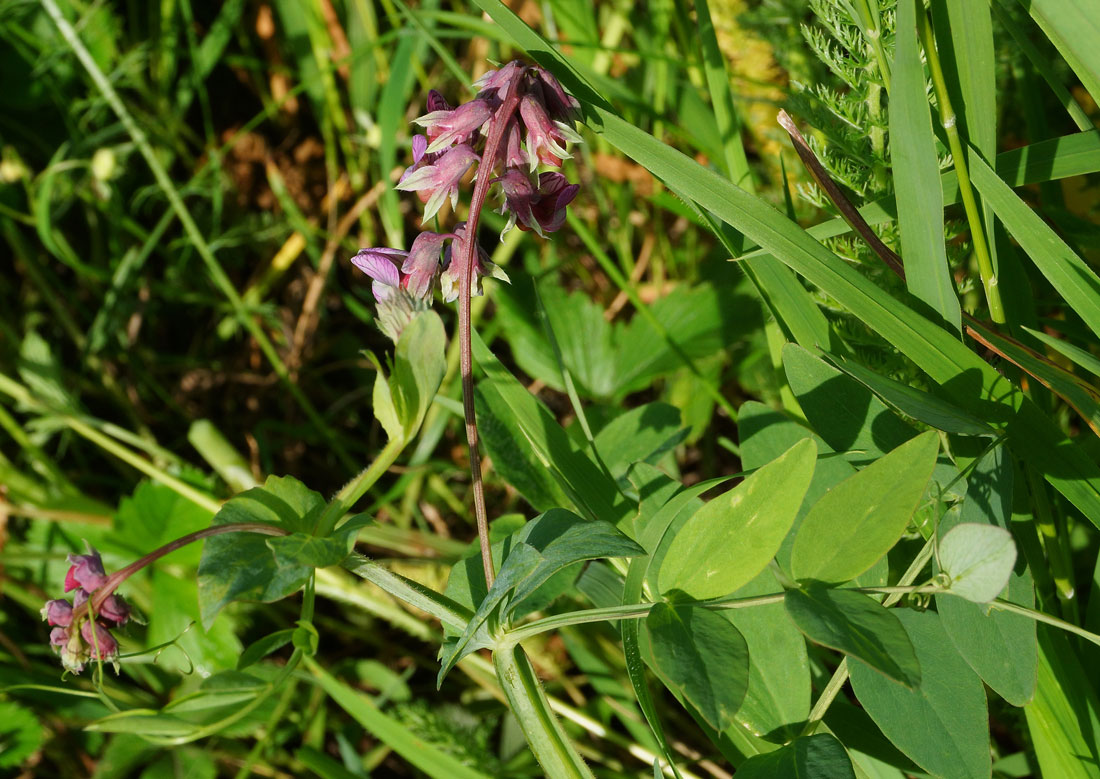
{"x": 528, "y": 702}
{"x": 118, "y": 577}
{"x": 958, "y": 153}
{"x": 477, "y": 201}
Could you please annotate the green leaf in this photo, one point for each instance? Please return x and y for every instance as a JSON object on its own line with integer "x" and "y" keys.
{"x": 942, "y": 723}
{"x": 702, "y": 658}
{"x": 262, "y": 647}
{"x": 544, "y": 546}
{"x": 872, "y": 754}
{"x": 382, "y": 403}
{"x": 1075, "y": 353}
{"x": 978, "y": 559}
{"x": 1073, "y": 28}
{"x": 820, "y": 757}
{"x": 765, "y": 434}
{"x": 418, "y": 367}
{"x": 755, "y": 515}
{"x": 561, "y": 539}
{"x": 1082, "y": 396}
{"x": 916, "y": 176}
{"x": 20, "y": 734}
{"x": 514, "y": 459}
{"x": 1000, "y": 646}
{"x": 777, "y": 701}
{"x": 153, "y": 516}
{"x": 588, "y": 487}
{"x": 642, "y": 434}
{"x": 922, "y": 406}
{"x": 859, "y": 520}
{"x": 241, "y": 566}
{"x": 304, "y": 549}
{"x": 1064, "y": 717}
{"x": 1067, "y": 273}
{"x": 840, "y": 409}
{"x": 856, "y": 625}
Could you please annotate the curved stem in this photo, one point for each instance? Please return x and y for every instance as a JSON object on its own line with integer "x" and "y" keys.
{"x": 118, "y": 577}
{"x": 355, "y": 489}
{"x": 477, "y": 202}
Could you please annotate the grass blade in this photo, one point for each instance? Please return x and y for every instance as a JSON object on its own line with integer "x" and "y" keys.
{"x": 916, "y": 177}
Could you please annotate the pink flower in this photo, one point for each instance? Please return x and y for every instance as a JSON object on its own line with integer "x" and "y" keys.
{"x": 101, "y": 643}
{"x": 450, "y": 281}
{"x": 58, "y": 612}
{"x": 514, "y": 155}
{"x": 86, "y": 571}
{"x": 555, "y": 193}
{"x": 541, "y": 210}
{"x": 380, "y": 265}
{"x": 459, "y": 125}
{"x": 435, "y": 183}
{"x": 519, "y": 198}
{"x": 545, "y": 138}
{"x": 401, "y": 296}
{"x": 422, "y": 264}
{"x": 114, "y": 609}
{"x": 495, "y": 84}
{"x": 559, "y": 105}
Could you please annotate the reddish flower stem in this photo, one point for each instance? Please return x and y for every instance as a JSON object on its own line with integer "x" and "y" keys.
{"x": 477, "y": 201}
{"x": 118, "y": 577}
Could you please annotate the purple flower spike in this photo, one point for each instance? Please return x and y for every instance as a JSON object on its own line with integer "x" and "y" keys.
{"x": 445, "y": 128}
{"x": 435, "y": 183}
{"x": 555, "y": 193}
{"x": 101, "y": 644}
{"x": 86, "y": 572}
{"x": 422, "y": 264}
{"x": 381, "y": 265}
{"x": 58, "y": 612}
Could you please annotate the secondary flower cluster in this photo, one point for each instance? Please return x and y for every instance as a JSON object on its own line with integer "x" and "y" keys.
{"x": 78, "y": 635}
{"x": 523, "y": 118}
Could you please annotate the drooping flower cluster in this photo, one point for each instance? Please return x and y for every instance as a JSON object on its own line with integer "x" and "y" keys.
{"x": 523, "y": 118}
{"x": 79, "y": 635}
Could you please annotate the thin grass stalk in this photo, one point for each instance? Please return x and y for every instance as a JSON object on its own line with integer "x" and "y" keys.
{"x": 949, "y": 121}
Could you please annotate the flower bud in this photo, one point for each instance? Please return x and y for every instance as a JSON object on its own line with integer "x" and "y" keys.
{"x": 101, "y": 644}
{"x": 58, "y": 612}
{"x": 114, "y": 609}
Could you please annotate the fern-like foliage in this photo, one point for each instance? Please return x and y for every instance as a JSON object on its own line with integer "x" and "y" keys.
{"x": 848, "y": 111}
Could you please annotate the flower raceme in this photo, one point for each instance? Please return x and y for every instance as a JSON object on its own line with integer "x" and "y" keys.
{"x": 79, "y": 635}
{"x": 523, "y": 118}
